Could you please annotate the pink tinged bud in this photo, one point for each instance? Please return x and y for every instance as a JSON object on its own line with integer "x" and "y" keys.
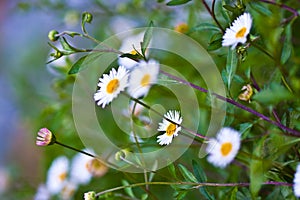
{"x": 45, "y": 137}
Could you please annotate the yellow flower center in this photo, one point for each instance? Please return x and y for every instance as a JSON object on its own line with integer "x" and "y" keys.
{"x": 241, "y": 32}
{"x": 62, "y": 176}
{"x": 182, "y": 28}
{"x": 133, "y": 52}
{"x": 226, "y": 148}
{"x": 112, "y": 86}
{"x": 145, "y": 80}
{"x": 171, "y": 129}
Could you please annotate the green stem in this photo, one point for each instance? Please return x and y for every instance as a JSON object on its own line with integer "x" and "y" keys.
{"x": 196, "y": 185}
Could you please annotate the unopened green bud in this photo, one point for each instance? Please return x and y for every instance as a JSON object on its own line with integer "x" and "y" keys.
{"x": 87, "y": 17}
{"x": 57, "y": 54}
{"x": 122, "y": 154}
{"x": 52, "y": 35}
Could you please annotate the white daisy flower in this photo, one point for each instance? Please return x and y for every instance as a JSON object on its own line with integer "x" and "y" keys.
{"x": 142, "y": 77}
{"x": 57, "y": 175}
{"x": 224, "y": 148}
{"x": 296, "y": 186}
{"x": 171, "y": 130}
{"x": 238, "y": 31}
{"x": 79, "y": 172}
{"x": 111, "y": 85}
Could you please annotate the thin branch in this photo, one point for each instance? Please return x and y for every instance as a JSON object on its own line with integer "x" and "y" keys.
{"x": 196, "y": 185}
{"x": 281, "y": 126}
{"x": 212, "y": 13}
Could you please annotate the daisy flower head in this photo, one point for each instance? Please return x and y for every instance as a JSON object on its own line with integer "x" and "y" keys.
{"x": 142, "y": 77}
{"x": 224, "y": 148}
{"x": 296, "y": 186}
{"x": 45, "y": 137}
{"x": 110, "y": 85}
{"x": 57, "y": 175}
{"x": 171, "y": 130}
{"x": 238, "y": 31}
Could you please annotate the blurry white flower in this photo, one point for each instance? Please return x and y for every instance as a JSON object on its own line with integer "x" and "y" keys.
{"x": 111, "y": 85}
{"x": 68, "y": 190}
{"x": 296, "y": 186}
{"x": 142, "y": 77}
{"x": 224, "y": 148}
{"x": 79, "y": 173}
{"x": 57, "y": 175}
{"x": 96, "y": 167}
{"x": 238, "y": 31}
{"x": 42, "y": 193}
{"x": 171, "y": 130}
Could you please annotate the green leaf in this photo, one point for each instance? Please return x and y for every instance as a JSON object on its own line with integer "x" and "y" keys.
{"x": 198, "y": 171}
{"x": 177, "y": 2}
{"x": 147, "y": 38}
{"x": 231, "y": 65}
{"x": 215, "y": 41}
{"x": 274, "y": 94}
{"x": 128, "y": 190}
{"x": 144, "y": 196}
{"x": 244, "y": 127}
{"x": 205, "y": 27}
{"x": 257, "y": 167}
{"x": 172, "y": 170}
{"x": 135, "y": 57}
{"x": 260, "y": 8}
{"x": 201, "y": 177}
{"x": 179, "y": 195}
{"x": 84, "y": 62}
{"x": 188, "y": 176}
{"x": 65, "y": 45}
{"x": 230, "y": 8}
{"x": 287, "y": 45}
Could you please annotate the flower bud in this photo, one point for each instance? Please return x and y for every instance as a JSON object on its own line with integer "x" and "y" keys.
{"x": 91, "y": 195}
{"x": 45, "y": 137}
{"x": 122, "y": 154}
{"x": 247, "y": 93}
{"x": 52, "y": 35}
{"x": 87, "y": 17}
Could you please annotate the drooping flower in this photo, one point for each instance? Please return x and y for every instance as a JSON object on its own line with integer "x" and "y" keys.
{"x": 142, "y": 77}
{"x": 296, "y": 186}
{"x": 79, "y": 172}
{"x": 171, "y": 130}
{"x": 45, "y": 137}
{"x": 57, "y": 175}
{"x": 96, "y": 167}
{"x": 224, "y": 148}
{"x": 111, "y": 85}
{"x": 238, "y": 31}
